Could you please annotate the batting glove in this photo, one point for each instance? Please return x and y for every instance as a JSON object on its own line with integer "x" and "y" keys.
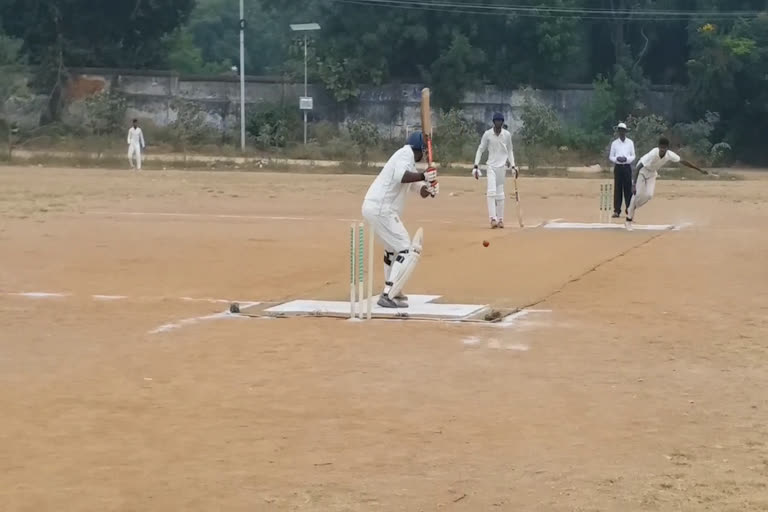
{"x": 476, "y": 172}
{"x": 431, "y": 175}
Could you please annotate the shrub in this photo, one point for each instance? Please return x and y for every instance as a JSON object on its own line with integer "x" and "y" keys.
{"x": 720, "y": 154}
{"x": 454, "y": 132}
{"x": 645, "y": 132}
{"x": 274, "y": 126}
{"x": 541, "y": 126}
{"x": 106, "y": 113}
{"x": 365, "y": 136}
{"x": 189, "y": 126}
{"x": 696, "y": 135}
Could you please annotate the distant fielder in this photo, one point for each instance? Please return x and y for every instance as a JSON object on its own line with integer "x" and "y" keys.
{"x": 382, "y": 208}
{"x": 498, "y": 142}
{"x": 135, "y": 145}
{"x": 644, "y": 175}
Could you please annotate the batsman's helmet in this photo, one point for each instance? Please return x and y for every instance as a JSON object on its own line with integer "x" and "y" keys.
{"x": 498, "y": 116}
{"x": 416, "y": 141}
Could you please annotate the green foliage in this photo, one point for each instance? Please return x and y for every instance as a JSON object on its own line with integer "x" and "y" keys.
{"x": 720, "y": 154}
{"x": 696, "y": 135}
{"x": 12, "y": 82}
{"x": 189, "y": 126}
{"x": 365, "y": 136}
{"x": 727, "y": 73}
{"x": 645, "y": 131}
{"x": 274, "y": 126}
{"x": 185, "y": 57}
{"x": 541, "y": 127}
{"x": 600, "y": 116}
{"x": 105, "y": 112}
{"x": 340, "y": 78}
{"x": 540, "y": 122}
{"x": 453, "y": 133}
{"x": 76, "y": 33}
{"x": 455, "y": 71}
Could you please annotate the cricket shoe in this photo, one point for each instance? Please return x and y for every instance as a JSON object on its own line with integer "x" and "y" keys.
{"x": 386, "y": 302}
{"x": 494, "y": 224}
{"x": 500, "y": 224}
{"x": 616, "y": 215}
{"x": 628, "y": 224}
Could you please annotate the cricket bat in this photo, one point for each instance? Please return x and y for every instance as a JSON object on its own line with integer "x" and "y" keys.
{"x": 519, "y": 208}
{"x": 426, "y": 124}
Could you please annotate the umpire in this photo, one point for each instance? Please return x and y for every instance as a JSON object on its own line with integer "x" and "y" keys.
{"x": 622, "y": 155}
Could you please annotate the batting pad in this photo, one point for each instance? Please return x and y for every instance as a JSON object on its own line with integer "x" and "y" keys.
{"x": 411, "y": 260}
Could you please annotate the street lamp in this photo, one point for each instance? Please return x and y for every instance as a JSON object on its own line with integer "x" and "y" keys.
{"x": 305, "y": 102}
{"x": 242, "y": 76}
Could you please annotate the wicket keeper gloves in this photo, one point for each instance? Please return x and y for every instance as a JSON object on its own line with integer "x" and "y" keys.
{"x": 476, "y": 172}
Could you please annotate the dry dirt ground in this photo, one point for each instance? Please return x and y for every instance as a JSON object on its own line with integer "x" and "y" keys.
{"x": 643, "y": 388}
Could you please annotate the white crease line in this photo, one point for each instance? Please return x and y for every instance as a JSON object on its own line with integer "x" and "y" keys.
{"x": 56, "y": 295}
{"x": 246, "y": 217}
{"x": 39, "y": 295}
{"x": 493, "y": 343}
{"x": 195, "y": 320}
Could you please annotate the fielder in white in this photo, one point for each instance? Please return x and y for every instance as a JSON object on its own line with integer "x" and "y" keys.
{"x": 135, "y": 145}
{"x": 498, "y": 142}
{"x": 644, "y": 175}
{"x": 382, "y": 208}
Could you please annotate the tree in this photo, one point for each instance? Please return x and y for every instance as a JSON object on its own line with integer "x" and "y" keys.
{"x": 727, "y": 75}
{"x": 58, "y": 34}
{"x": 453, "y": 132}
{"x": 12, "y": 81}
{"x": 11, "y": 61}
{"x": 455, "y": 71}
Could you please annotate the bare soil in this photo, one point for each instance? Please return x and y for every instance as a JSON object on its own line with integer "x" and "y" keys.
{"x": 643, "y": 388}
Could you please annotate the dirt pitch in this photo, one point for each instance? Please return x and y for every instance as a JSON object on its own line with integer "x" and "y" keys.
{"x": 644, "y": 388}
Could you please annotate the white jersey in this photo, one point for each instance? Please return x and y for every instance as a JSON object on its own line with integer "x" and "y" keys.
{"x": 136, "y": 137}
{"x": 652, "y": 162}
{"x": 499, "y": 149}
{"x": 387, "y": 192}
{"x": 625, "y": 148}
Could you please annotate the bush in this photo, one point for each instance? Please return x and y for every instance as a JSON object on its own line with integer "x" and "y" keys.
{"x": 645, "y": 132}
{"x": 696, "y": 135}
{"x": 600, "y": 114}
{"x": 454, "y": 132}
{"x": 365, "y": 136}
{"x": 324, "y": 131}
{"x": 720, "y": 154}
{"x": 189, "y": 126}
{"x": 541, "y": 127}
{"x": 274, "y": 126}
{"x": 106, "y": 113}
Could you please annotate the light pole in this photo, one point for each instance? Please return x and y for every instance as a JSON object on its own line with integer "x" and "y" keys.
{"x": 242, "y": 76}
{"x": 305, "y": 102}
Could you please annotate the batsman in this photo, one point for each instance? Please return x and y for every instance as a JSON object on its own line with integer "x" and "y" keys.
{"x": 498, "y": 143}
{"x": 382, "y": 209}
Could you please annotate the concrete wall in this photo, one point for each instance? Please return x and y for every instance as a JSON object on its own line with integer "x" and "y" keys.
{"x": 393, "y": 108}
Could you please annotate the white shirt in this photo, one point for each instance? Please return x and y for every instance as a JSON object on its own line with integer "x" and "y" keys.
{"x": 499, "y": 149}
{"x": 625, "y": 148}
{"x": 387, "y": 192}
{"x": 135, "y": 137}
{"x": 652, "y": 162}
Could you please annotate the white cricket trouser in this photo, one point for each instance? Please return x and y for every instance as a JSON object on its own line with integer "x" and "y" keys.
{"x": 644, "y": 189}
{"x": 393, "y": 236}
{"x": 495, "y": 194}
{"x": 388, "y": 227}
{"x": 134, "y": 150}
